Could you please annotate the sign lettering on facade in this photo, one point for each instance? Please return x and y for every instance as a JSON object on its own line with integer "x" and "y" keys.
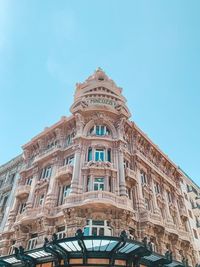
{"x": 100, "y": 101}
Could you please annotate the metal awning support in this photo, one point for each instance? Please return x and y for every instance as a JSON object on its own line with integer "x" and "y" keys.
{"x": 49, "y": 249}
{"x": 26, "y": 259}
{"x": 4, "y": 264}
{"x": 79, "y": 235}
{"x": 119, "y": 245}
{"x": 135, "y": 256}
{"x": 62, "y": 251}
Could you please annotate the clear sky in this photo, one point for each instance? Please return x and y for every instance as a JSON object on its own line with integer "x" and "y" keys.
{"x": 149, "y": 48}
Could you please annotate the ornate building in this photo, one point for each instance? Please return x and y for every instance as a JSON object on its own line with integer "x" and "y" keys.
{"x": 97, "y": 171}
{"x": 9, "y": 174}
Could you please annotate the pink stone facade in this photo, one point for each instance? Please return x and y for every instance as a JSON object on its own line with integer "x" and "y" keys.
{"x": 96, "y": 170}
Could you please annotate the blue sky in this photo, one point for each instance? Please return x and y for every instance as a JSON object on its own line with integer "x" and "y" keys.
{"x": 150, "y": 48}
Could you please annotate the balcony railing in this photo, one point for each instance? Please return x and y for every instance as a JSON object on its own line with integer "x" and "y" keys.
{"x": 6, "y": 188}
{"x": 47, "y": 153}
{"x": 23, "y": 191}
{"x": 29, "y": 214}
{"x": 184, "y": 235}
{"x": 99, "y": 196}
{"x": 130, "y": 173}
{"x": 63, "y": 171}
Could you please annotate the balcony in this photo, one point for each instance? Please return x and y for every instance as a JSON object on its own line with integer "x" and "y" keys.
{"x": 130, "y": 174}
{"x": 46, "y": 153}
{"x": 183, "y": 213}
{"x": 64, "y": 171}
{"x": 23, "y": 191}
{"x": 28, "y": 215}
{"x": 184, "y": 235}
{"x": 99, "y": 197}
{"x": 151, "y": 217}
{"x": 6, "y": 188}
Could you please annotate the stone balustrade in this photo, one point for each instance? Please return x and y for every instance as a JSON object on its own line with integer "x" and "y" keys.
{"x": 22, "y": 191}
{"x": 64, "y": 170}
{"x": 104, "y": 197}
{"x": 29, "y": 214}
{"x": 6, "y": 188}
{"x": 130, "y": 174}
{"x": 46, "y": 153}
{"x": 184, "y": 235}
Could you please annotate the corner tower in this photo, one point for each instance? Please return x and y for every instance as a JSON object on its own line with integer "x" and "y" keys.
{"x": 99, "y": 93}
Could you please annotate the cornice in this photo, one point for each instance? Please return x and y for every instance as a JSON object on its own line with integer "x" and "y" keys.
{"x": 47, "y": 130}
{"x": 11, "y": 164}
{"x": 156, "y": 147}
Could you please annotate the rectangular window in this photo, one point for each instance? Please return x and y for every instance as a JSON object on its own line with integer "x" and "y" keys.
{"x": 147, "y": 204}
{"x": 195, "y": 233}
{"x": 98, "y": 184}
{"x": 69, "y": 140}
{"x": 109, "y": 155}
{"x": 46, "y": 172}
{"x": 4, "y": 202}
{"x": 66, "y": 189}
{"x": 89, "y": 154}
{"x": 157, "y": 188}
{"x": 69, "y": 160}
{"x": 143, "y": 177}
{"x": 29, "y": 181}
{"x": 97, "y": 130}
{"x": 32, "y": 243}
{"x": 61, "y": 232}
{"x": 22, "y": 207}
{"x": 169, "y": 196}
{"x": 11, "y": 250}
{"x": 97, "y": 228}
{"x": 88, "y": 184}
{"x": 12, "y": 177}
{"x": 99, "y": 155}
{"x": 41, "y": 200}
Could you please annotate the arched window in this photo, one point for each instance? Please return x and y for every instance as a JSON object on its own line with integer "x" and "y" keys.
{"x": 99, "y": 130}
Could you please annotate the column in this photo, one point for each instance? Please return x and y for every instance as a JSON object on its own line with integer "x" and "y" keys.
{"x": 122, "y": 181}
{"x": 76, "y": 171}
{"x": 106, "y": 183}
{"x": 51, "y": 193}
{"x": 81, "y": 165}
{"x": 29, "y": 203}
{"x": 155, "y": 204}
{"x": 141, "y": 204}
{"x": 169, "y": 217}
{"x": 178, "y": 214}
{"x": 11, "y": 202}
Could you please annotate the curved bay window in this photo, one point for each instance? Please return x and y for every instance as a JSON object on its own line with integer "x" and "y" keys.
{"x": 97, "y": 228}
{"x": 99, "y": 130}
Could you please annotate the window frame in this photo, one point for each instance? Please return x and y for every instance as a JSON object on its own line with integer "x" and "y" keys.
{"x": 100, "y": 184}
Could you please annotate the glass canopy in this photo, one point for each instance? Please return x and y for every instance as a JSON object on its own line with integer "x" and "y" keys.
{"x": 61, "y": 252}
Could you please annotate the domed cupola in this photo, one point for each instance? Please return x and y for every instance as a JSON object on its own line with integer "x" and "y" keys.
{"x": 99, "y": 93}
